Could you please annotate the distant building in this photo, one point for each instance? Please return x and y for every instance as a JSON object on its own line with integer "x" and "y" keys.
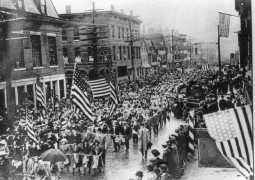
{"x": 119, "y": 31}
{"x": 30, "y": 44}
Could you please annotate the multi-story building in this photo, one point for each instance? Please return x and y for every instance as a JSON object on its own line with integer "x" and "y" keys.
{"x": 31, "y": 45}
{"x": 159, "y": 48}
{"x": 118, "y": 26}
{"x": 146, "y": 56}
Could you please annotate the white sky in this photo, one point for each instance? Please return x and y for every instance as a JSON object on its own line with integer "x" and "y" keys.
{"x": 196, "y": 18}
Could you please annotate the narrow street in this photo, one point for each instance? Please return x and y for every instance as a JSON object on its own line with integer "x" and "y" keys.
{"x": 122, "y": 165}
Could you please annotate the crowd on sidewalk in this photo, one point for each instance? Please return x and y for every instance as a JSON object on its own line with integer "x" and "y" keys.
{"x": 138, "y": 116}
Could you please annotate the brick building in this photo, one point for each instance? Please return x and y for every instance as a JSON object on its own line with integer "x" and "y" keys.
{"x": 117, "y": 24}
{"x": 31, "y": 44}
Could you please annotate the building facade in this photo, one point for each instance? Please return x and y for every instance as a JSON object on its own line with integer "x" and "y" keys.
{"x": 118, "y": 58}
{"x": 31, "y": 45}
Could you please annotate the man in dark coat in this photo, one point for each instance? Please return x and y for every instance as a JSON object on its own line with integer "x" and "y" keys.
{"x": 167, "y": 156}
{"x": 127, "y": 134}
{"x": 116, "y": 130}
{"x": 222, "y": 103}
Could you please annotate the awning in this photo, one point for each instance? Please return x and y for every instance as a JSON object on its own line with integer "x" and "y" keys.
{"x": 146, "y": 65}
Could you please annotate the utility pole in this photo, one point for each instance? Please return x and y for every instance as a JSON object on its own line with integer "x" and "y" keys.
{"x": 95, "y": 34}
{"x": 219, "y": 51}
{"x": 172, "y": 50}
{"x": 131, "y": 41}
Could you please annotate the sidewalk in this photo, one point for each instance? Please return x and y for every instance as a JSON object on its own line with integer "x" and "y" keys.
{"x": 193, "y": 172}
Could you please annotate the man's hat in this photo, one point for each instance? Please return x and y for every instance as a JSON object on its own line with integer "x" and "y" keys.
{"x": 163, "y": 167}
{"x": 164, "y": 145}
{"x": 139, "y": 173}
{"x": 155, "y": 152}
{"x": 150, "y": 167}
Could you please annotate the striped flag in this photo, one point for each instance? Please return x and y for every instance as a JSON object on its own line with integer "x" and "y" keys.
{"x": 232, "y": 131}
{"x": 39, "y": 94}
{"x": 79, "y": 96}
{"x": 191, "y": 139}
{"x": 205, "y": 67}
{"x": 224, "y": 21}
{"x": 100, "y": 88}
{"x": 30, "y": 128}
{"x": 114, "y": 98}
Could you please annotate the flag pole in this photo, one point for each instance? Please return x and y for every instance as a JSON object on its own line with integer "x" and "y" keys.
{"x": 219, "y": 54}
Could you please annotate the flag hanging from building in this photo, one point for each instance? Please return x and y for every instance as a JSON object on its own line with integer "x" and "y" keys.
{"x": 39, "y": 94}
{"x": 79, "y": 95}
{"x": 30, "y": 128}
{"x": 224, "y": 22}
{"x": 232, "y": 131}
{"x": 100, "y": 88}
{"x": 191, "y": 139}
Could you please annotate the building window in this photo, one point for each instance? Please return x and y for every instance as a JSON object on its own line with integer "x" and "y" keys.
{"x": 21, "y": 91}
{"x": 52, "y": 51}
{"x": 113, "y": 31}
{"x": 114, "y": 53}
{"x": 76, "y": 34}
{"x": 128, "y": 52}
{"x": 64, "y": 37}
{"x": 30, "y": 92}
{"x": 124, "y": 53}
{"x": 119, "y": 32}
{"x": 36, "y": 50}
{"x": 123, "y": 34}
{"x": 120, "y": 52}
{"x": 77, "y": 53}
{"x": 48, "y": 91}
{"x": 18, "y": 55}
{"x": 43, "y": 7}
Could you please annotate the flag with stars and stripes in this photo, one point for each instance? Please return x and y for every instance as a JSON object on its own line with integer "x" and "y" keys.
{"x": 79, "y": 95}
{"x": 191, "y": 138}
{"x": 232, "y": 131}
{"x": 224, "y": 22}
{"x": 100, "y": 88}
{"x": 40, "y": 97}
{"x": 114, "y": 97}
{"x": 30, "y": 128}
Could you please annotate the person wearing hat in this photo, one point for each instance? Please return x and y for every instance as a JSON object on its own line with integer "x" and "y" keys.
{"x": 222, "y": 103}
{"x": 127, "y": 132}
{"x": 116, "y": 130}
{"x": 65, "y": 148}
{"x": 167, "y": 154}
{"x": 151, "y": 175}
{"x": 164, "y": 172}
{"x": 135, "y": 128}
{"x": 139, "y": 175}
{"x": 144, "y": 135}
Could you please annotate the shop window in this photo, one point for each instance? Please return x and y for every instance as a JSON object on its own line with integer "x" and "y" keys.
{"x": 36, "y": 50}
{"x": 30, "y": 92}
{"x": 62, "y": 88}
{"x": 52, "y": 51}
{"x": 20, "y": 94}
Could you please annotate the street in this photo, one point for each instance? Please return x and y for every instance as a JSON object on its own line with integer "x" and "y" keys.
{"x": 122, "y": 165}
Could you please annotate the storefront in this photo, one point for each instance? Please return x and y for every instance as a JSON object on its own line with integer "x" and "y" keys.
{"x": 51, "y": 85}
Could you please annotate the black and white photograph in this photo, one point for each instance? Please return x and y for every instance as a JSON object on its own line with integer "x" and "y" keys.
{"x": 126, "y": 90}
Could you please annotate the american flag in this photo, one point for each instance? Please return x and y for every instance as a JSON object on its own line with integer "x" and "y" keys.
{"x": 224, "y": 21}
{"x": 232, "y": 131}
{"x": 191, "y": 138}
{"x": 79, "y": 96}
{"x": 113, "y": 96}
{"x": 205, "y": 67}
{"x": 39, "y": 94}
{"x": 30, "y": 128}
{"x": 100, "y": 88}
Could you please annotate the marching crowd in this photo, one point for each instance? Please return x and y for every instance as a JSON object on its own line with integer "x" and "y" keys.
{"x": 138, "y": 116}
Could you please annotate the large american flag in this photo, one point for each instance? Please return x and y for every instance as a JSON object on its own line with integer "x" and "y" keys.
{"x": 79, "y": 95}
{"x": 113, "y": 96}
{"x": 232, "y": 131}
{"x": 100, "y": 88}
{"x": 191, "y": 139}
{"x": 224, "y": 21}
{"x": 39, "y": 93}
{"x": 30, "y": 127}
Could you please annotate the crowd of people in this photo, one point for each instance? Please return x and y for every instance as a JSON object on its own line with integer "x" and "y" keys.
{"x": 138, "y": 116}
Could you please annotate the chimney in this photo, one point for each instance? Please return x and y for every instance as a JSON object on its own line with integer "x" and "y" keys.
{"x": 131, "y": 12}
{"x": 122, "y": 11}
{"x": 68, "y": 9}
{"x": 143, "y": 29}
{"x": 112, "y": 7}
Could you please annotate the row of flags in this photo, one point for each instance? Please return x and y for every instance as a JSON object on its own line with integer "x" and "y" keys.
{"x": 205, "y": 67}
